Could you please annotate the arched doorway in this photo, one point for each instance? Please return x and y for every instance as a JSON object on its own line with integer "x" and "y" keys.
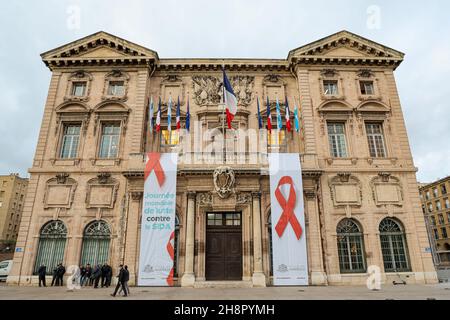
{"x": 52, "y": 243}
{"x": 96, "y": 240}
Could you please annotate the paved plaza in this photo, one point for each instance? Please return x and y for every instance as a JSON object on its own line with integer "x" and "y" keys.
{"x": 408, "y": 292}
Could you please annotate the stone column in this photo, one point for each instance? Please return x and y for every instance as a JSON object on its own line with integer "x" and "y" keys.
{"x": 131, "y": 255}
{"x": 188, "y": 278}
{"x": 259, "y": 278}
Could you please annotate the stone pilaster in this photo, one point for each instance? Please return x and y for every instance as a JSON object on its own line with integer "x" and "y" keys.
{"x": 188, "y": 278}
{"x": 259, "y": 278}
{"x": 131, "y": 258}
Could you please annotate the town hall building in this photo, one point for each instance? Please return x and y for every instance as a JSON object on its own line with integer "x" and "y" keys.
{"x": 361, "y": 202}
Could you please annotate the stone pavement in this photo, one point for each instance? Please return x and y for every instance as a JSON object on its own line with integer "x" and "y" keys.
{"x": 408, "y": 292}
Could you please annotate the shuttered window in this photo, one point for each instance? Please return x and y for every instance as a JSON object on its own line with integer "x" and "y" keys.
{"x": 52, "y": 243}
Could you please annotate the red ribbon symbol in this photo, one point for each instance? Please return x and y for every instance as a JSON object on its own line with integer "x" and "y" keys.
{"x": 171, "y": 252}
{"x": 288, "y": 215}
{"x": 153, "y": 164}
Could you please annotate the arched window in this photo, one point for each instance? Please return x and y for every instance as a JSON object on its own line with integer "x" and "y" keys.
{"x": 52, "y": 243}
{"x": 269, "y": 232}
{"x": 350, "y": 247}
{"x": 176, "y": 244}
{"x": 393, "y": 246}
{"x": 96, "y": 239}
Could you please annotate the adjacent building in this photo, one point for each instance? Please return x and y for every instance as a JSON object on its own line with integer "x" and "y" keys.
{"x": 362, "y": 205}
{"x": 12, "y": 199}
{"x": 436, "y": 209}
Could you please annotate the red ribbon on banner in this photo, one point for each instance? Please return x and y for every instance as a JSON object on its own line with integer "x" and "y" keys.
{"x": 288, "y": 206}
{"x": 153, "y": 164}
{"x": 170, "y": 249}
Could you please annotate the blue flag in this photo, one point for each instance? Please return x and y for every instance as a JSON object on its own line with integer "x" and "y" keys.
{"x": 260, "y": 122}
{"x": 188, "y": 117}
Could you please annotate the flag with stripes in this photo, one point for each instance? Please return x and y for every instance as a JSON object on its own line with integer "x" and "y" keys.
{"x": 158, "y": 116}
{"x": 229, "y": 99}
{"x": 279, "y": 120}
{"x": 288, "y": 115}
{"x": 150, "y": 114}
{"x": 188, "y": 117}
{"x": 169, "y": 114}
{"x": 260, "y": 122}
{"x": 178, "y": 114}
{"x": 269, "y": 117}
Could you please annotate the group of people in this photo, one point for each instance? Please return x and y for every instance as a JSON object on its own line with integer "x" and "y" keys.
{"x": 88, "y": 276}
{"x": 58, "y": 275}
{"x": 93, "y": 276}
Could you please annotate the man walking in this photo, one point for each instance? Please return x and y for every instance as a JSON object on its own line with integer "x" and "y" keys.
{"x": 120, "y": 282}
{"x": 108, "y": 275}
{"x": 42, "y": 271}
{"x": 96, "y": 275}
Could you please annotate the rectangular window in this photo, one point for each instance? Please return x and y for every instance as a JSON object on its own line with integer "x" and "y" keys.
{"x": 448, "y": 217}
{"x": 447, "y": 204}
{"x": 438, "y": 205}
{"x": 433, "y": 220}
{"x": 116, "y": 88}
{"x": 109, "y": 143}
{"x": 336, "y": 138}
{"x": 70, "y": 140}
{"x": 79, "y": 89}
{"x": 367, "y": 88}
{"x": 444, "y": 233}
{"x": 375, "y": 138}
{"x": 430, "y": 207}
{"x": 441, "y": 219}
{"x": 276, "y": 138}
{"x": 443, "y": 189}
{"x": 330, "y": 87}
{"x": 170, "y": 137}
{"x": 436, "y": 234}
{"x": 427, "y": 195}
{"x": 435, "y": 192}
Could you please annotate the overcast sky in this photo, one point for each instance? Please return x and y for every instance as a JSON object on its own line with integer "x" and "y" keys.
{"x": 242, "y": 29}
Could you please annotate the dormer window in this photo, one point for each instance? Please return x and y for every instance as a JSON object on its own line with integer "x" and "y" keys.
{"x": 367, "y": 88}
{"x": 330, "y": 87}
{"x": 116, "y": 88}
{"x": 79, "y": 88}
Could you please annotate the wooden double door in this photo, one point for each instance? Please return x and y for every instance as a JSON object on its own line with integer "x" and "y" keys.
{"x": 223, "y": 247}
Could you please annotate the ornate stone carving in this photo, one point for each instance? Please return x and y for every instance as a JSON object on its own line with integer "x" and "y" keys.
{"x": 243, "y": 88}
{"x": 103, "y": 177}
{"x": 208, "y": 89}
{"x": 387, "y": 190}
{"x": 329, "y": 73}
{"x": 345, "y": 190}
{"x": 61, "y": 178}
{"x": 365, "y": 73}
{"x": 243, "y": 198}
{"x": 272, "y": 78}
{"x": 205, "y": 199}
{"x": 60, "y": 192}
{"x": 224, "y": 181}
{"x": 136, "y": 195}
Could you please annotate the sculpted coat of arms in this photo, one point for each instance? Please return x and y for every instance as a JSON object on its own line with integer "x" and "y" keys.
{"x": 208, "y": 90}
{"x": 224, "y": 180}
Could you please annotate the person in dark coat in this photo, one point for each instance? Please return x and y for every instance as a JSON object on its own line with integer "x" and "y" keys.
{"x": 125, "y": 279}
{"x": 87, "y": 278}
{"x": 60, "y": 274}
{"x": 82, "y": 274}
{"x": 108, "y": 275}
{"x": 42, "y": 271}
{"x": 55, "y": 276}
{"x": 96, "y": 274}
{"x": 120, "y": 283}
{"x": 103, "y": 275}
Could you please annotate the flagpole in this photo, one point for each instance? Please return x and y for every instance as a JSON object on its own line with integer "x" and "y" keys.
{"x": 223, "y": 112}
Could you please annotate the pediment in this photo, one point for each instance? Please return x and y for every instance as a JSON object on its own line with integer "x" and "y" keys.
{"x": 111, "y": 107}
{"x": 96, "y": 48}
{"x": 335, "y": 106}
{"x": 71, "y": 107}
{"x": 345, "y": 44}
{"x": 373, "y": 106}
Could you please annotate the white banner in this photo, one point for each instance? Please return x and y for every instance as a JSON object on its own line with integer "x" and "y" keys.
{"x": 156, "y": 259}
{"x": 290, "y": 265}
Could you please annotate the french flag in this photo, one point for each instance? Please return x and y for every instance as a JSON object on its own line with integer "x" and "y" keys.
{"x": 178, "y": 115}
{"x": 169, "y": 115}
{"x": 229, "y": 99}
{"x": 269, "y": 117}
{"x": 288, "y": 116}
{"x": 158, "y": 116}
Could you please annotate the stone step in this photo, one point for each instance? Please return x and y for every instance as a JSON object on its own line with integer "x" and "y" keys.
{"x": 223, "y": 284}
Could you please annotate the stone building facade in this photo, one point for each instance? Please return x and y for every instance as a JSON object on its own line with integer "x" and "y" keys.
{"x": 13, "y": 189}
{"x": 435, "y": 199}
{"x": 362, "y": 206}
